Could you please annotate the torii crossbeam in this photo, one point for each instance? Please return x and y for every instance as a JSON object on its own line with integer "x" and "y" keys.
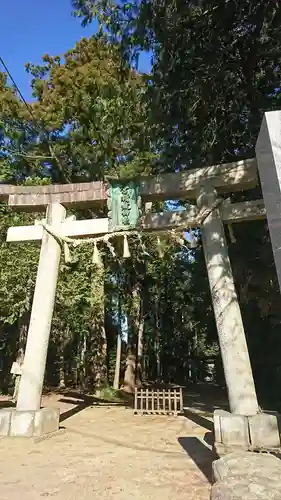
{"x": 228, "y": 177}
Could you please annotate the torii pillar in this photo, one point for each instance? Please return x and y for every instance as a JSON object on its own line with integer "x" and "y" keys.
{"x": 29, "y": 419}
{"x": 234, "y": 351}
{"x": 268, "y": 152}
{"x": 32, "y": 378}
{"x": 245, "y": 426}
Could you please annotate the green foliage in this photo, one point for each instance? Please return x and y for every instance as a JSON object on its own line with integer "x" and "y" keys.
{"x": 111, "y": 395}
{"x": 216, "y": 68}
{"x": 18, "y": 274}
{"x": 213, "y": 77}
{"x": 92, "y": 107}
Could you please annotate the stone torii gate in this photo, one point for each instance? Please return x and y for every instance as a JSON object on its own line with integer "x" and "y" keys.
{"x": 202, "y": 185}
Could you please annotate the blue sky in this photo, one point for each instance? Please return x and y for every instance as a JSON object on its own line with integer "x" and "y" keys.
{"x": 29, "y": 29}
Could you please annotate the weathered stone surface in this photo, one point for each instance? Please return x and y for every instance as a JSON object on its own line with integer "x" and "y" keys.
{"x": 264, "y": 430}
{"x": 249, "y": 476}
{"x": 7, "y": 190}
{"x": 217, "y": 424}
{"x": 232, "y": 340}
{"x": 46, "y": 421}
{"x": 5, "y": 421}
{"x": 268, "y": 152}
{"x": 226, "y": 177}
{"x": 37, "y": 202}
{"x": 246, "y": 464}
{"x": 257, "y": 431}
{"x": 28, "y": 424}
{"x": 220, "y": 450}
{"x": 22, "y": 423}
{"x": 234, "y": 430}
{"x": 238, "y": 212}
{"x": 38, "y": 197}
{"x": 251, "y": 488}
{"x": 33, "y": 370}
{"x": 230, "y": 429}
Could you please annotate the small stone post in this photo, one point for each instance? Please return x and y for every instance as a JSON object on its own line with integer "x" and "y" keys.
{"x": 233, "y": 345}
{"x": 33, "y": 370}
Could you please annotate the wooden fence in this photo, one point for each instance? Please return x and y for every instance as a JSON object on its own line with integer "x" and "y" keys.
{"x": 158, "y": 401}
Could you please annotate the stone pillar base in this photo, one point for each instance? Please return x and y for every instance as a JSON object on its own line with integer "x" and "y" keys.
{"x": 246, "y": 476}
{"x": 14, "y": 423}
{"x": 238, "y": 432}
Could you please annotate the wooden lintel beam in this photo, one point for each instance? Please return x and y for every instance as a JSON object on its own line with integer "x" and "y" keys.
{"x": 236, "y": 176}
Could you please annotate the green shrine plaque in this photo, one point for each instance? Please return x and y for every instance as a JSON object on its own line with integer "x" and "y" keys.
{"x": 123, "y": 205}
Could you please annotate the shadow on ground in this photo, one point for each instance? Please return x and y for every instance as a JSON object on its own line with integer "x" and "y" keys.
{"x": 198, "y": 419}
{"x": 200, "y": 401}
{"x": 201, "y": 455}
{"x": 83, "y": 401}
{"x": 7, "y": 404}
{"x": 205, "y": 397}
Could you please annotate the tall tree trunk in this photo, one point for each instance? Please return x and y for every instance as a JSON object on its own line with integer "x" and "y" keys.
{"x": 140, "y": 332}
{"x": 118, "y": 362}
{"x": 62, "y": 358}
{"x": 130, "y": 370}
{"x": 133, "y": 362}
{"x": 135, "y": 334}
{"x": 97, "y": 340}
{"x": 81, "y": 362}
{"x": 142, "y": 306}
{"x": 61, "y": 371}
{"x": 158, "y": 359}
{"x": 133, "y": 327}
{"x": 157, "y": 341}
{"x": 118, "y": 346}
{"x": 195, "y": 357}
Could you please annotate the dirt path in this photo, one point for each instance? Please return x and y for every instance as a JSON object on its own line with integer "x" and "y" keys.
{"x": 108, "y": 453}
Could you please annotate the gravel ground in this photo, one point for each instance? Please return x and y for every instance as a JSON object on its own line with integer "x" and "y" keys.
{"x": 108, "y": 453}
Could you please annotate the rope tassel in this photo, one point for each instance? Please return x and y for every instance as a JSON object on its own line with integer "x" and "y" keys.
{"x": 96, "y": 255}
{"x": 142, "y": 245}
{"x": 126, "y": 250}
{"x": 67, "y": 256}
{"x": 193, "y": 241}
{"x": 160, "y": 249}
{"x": 231, "y": 233}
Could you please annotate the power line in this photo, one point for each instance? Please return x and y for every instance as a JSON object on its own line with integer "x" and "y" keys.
{"x": 17, "y": 87}
{"x": 28, "y": 107}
